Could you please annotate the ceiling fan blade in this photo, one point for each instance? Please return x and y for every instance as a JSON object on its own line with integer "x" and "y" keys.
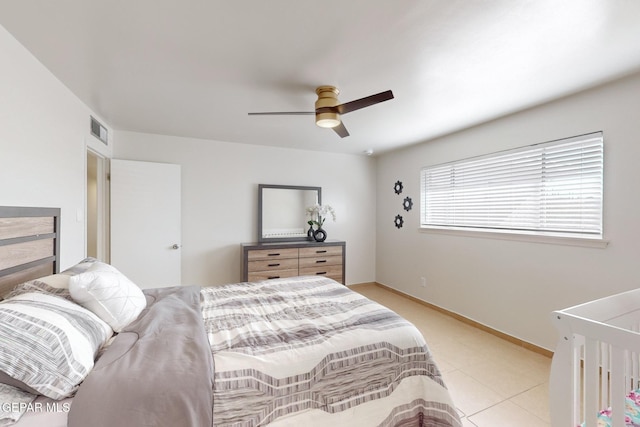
{"x": 341, "y": 130}
{"x": 348, "y": 107}
{"x": 284, "y": 113}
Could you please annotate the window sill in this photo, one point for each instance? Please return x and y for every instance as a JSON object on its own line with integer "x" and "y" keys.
{"x": 531, "y": 237}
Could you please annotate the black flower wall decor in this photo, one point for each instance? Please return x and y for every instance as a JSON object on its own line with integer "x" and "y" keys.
{"x": 399, "y": 221}
{"x": 407, "y": 204}
{"x": 398, "y": 187}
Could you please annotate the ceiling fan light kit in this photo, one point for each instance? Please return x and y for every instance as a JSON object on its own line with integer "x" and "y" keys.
{"x": 327, "y": 120}
{"x": 327, "y": 97}
{"x": 328, "y": 110}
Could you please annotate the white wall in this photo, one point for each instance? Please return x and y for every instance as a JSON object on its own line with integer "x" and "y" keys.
{"x": 514, "y": 286}
{"x": 44, "y": 129}
{"x": 220, "y": 198}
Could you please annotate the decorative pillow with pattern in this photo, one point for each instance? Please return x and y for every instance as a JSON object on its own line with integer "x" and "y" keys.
{"x": 80, "y": 267}
{"x": 56, "y": 284}
{"x": 109, "y": 294}
{"x": 49, "y": 343}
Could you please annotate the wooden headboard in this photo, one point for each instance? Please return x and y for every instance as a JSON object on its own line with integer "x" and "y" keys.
{"x": 29, "y": 244}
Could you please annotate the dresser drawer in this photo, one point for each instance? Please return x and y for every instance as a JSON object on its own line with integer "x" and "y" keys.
{"x": 272, "y": 254}
{"x": 276, "y": 274}
{"x": 319, "y": 261}
{"x": 273, "y": 264}
{"x": 333, "y": 271}
{"x": 320, "y": 251}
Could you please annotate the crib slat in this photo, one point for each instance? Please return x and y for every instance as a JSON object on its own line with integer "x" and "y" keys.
{"x": 632, "y": 359}
{"x": 577, "y": 386}
{"x": 634, "y": 379}
{"x": 591, "y": 380}
{"x": 619, "y": 374}
{"x": 605, "y": 395}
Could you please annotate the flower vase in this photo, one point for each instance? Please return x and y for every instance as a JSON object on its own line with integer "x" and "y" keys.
{"x": 320, "y": 235}
{"x": 311, "y": 233}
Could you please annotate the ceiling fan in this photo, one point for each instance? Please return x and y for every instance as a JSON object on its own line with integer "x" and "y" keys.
{"x": 328, "y": 110}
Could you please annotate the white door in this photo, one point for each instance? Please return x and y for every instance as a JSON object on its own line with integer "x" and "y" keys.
{"x": 145, "y": 222}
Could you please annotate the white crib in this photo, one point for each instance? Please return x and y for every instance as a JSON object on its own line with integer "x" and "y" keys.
{"x": 596, "y": 362}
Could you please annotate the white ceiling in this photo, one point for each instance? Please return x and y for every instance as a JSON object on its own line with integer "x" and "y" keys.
{"x": 196, "y": 67}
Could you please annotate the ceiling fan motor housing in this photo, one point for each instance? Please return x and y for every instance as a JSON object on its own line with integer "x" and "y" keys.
{"x": 327, "y": 97}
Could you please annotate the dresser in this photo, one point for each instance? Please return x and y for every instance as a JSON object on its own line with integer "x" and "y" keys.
{"x": 261, "y": 261}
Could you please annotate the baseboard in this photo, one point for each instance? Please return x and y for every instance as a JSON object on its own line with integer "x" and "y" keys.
{"x": 358, "y": 285}
{"x": 466, "y": 320}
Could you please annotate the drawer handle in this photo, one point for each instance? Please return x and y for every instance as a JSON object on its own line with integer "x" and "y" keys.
{"x": 319, "y": 273}
{"x": 273, "y": 277}
{"x": 273, "y": 265}
{"x": 276, "y": 254}
{"x": 320, "y": 261}
{"x": 324, "y": 251}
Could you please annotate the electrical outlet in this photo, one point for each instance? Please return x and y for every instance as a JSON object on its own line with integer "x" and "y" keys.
{"x": 423, "y": 282}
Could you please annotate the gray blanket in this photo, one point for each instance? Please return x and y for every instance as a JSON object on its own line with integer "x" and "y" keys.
{"x": 157, "y": 372}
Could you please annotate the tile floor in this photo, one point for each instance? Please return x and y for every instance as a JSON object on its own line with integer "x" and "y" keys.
{"x": 493, "y": 382}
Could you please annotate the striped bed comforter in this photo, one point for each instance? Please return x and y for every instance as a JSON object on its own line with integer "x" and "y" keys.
{"x": 310, "y": 352}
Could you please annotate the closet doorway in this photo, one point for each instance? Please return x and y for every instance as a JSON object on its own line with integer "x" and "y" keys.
{"x": 97, "y": 209}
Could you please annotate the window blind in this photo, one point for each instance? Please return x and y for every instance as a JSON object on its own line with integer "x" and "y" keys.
{"x": 549, "y": 187}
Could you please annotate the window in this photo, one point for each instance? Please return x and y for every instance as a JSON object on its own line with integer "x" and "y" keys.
{"x": 548, "y": 188}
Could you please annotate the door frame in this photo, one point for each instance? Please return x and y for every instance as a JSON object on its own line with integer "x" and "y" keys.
{"x": 100, "y": 215}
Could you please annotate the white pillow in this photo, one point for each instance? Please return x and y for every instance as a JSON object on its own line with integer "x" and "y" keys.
{"x": 109, "y": 294}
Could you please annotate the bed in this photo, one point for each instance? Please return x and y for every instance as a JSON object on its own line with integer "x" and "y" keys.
{"x": 595, "y": 372}
{"x": 286, "y": 352}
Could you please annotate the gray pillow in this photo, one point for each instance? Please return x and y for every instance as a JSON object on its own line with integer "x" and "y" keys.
{"x": 49, "y": 343}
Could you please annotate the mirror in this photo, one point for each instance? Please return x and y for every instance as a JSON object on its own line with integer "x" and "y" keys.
{"x": 282, "y": 211}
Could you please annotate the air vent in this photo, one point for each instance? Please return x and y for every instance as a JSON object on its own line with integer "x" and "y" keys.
{"x": 99, "y": 131}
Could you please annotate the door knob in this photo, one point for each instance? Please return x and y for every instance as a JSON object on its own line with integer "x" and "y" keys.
{"x": 175, "y": 246}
